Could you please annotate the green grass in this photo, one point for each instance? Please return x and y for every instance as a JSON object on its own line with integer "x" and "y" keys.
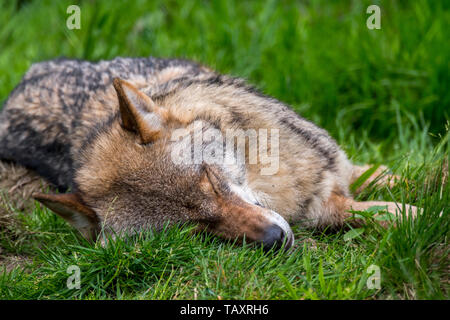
{"x": 382, "y": 94}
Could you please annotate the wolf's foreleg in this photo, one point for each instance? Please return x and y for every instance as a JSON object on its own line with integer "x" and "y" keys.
{"x": 379, "y": 177}
{"x": 339, "y": 211}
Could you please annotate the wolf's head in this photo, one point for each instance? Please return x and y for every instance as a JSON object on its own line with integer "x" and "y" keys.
{"x": 127, "y": 180}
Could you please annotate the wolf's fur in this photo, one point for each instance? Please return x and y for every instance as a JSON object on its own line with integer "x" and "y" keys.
{"x": 111, "y": 144}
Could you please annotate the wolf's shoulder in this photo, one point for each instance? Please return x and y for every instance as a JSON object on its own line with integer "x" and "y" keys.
{"x": 117, "y": 67}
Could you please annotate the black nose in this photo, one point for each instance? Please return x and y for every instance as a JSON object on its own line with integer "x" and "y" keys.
{"x": 273, "y": 237}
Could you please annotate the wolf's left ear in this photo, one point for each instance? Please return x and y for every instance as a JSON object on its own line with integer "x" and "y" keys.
{"x": 138, "y": 111}
{"x": 70, "y": 207}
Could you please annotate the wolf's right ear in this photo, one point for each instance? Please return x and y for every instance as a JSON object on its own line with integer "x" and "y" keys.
{"x": 70, "y": 207}
{"x": 138, "y": 111}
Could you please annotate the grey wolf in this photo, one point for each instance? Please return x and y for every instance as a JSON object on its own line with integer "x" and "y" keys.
{"x": 102, "y": 134}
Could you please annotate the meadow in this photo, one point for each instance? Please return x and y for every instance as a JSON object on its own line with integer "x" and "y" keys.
{"x": 384, "y": 95}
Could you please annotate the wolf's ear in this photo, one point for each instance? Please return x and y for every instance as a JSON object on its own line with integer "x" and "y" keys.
{"x": 70, "y": 207}
{"x": 138, "y": 111}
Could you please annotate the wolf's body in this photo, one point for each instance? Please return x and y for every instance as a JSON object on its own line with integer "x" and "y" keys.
{"x": 64, "y": 122}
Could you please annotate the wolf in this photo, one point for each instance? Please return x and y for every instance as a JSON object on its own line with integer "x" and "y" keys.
{"x": 104, "y": 135}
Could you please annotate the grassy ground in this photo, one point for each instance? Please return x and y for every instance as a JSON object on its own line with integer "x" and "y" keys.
{"x": 383, "y": 94}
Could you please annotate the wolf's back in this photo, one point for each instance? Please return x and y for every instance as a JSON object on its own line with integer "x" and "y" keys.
{"x": 59, "y": 103}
